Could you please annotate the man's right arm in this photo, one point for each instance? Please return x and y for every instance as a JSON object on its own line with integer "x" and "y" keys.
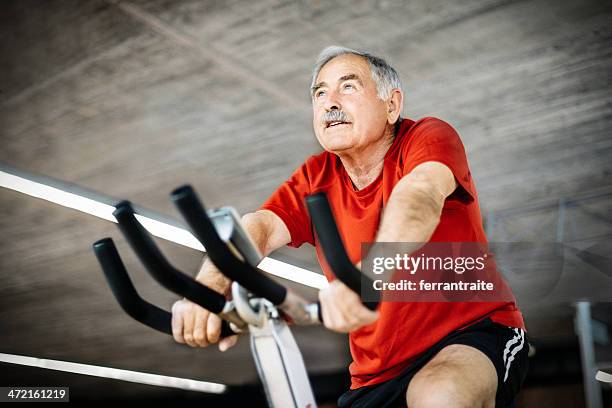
{"x": 194, "y": 325}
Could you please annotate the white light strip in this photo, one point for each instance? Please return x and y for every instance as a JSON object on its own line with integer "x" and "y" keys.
{"x": 603, "y": 377}
{"x": 116, "y": 374}
{"x": 95, "y": 208}
{"x": 57, "y": 196}
{"x": 169, "y": 232}
{"x": 157, "y": 228}
{"x": 293, "y": 273}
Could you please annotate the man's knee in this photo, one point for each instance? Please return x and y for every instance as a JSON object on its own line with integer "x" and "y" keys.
{"x": 430, "y": 391}
{"x": 449, "y": 381}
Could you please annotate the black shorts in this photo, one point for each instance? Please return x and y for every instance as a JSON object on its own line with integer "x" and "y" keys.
{"x": 506, "y": 347}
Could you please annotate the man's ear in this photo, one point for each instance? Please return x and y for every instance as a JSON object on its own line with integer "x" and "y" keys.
{"x": 394, "y": 106}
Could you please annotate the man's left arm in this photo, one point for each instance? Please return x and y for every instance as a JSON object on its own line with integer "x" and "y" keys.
{"x": 415, "y": 205}
{"x": 411, "y": 215}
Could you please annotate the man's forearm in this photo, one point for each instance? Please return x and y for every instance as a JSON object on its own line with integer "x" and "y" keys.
{"x": 256, "y": 225}
{"x": 412, "y": 213}
{"x": 210, "y": 276}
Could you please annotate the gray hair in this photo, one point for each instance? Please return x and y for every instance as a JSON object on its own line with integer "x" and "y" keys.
{"x": 383, "y": 74}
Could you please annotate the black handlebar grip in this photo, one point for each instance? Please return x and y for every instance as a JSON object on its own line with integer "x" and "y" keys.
{"x": 159, "y": 267}
{"x": 249, "y": 277}
{"x": 128, "y": 298}
{"x": 124, "y": 291}
{"x": 334, "y": 250}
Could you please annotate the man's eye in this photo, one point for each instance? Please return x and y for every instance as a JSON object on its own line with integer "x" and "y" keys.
{"x": 319, "y": 94}
{"x": 348, "y": 86}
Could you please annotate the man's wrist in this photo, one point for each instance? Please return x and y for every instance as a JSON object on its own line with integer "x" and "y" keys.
{"x": 219, "y": 284}
{"x": 211, "y": 277}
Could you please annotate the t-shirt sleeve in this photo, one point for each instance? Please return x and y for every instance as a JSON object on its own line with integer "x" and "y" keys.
{"x": 288, "y": 203}
{"x": 435, "y": 140}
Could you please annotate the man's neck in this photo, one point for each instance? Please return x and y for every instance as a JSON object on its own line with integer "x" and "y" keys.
{"x": 364, "y": 166}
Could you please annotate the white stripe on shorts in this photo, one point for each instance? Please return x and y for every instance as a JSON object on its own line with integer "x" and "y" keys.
{"x": 509, "y": 355}
{"x": 510, "y": 342}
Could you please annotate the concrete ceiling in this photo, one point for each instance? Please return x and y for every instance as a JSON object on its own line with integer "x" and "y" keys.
{"x": 133, "y": 98}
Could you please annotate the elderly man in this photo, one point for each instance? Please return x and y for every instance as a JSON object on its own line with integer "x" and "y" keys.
{"x": 437, "y": 354}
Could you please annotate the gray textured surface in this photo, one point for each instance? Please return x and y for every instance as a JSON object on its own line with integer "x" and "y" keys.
{"x": 133, "y": 98}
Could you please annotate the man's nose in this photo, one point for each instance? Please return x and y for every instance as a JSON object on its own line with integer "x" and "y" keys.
{"x": 332, "y": 102}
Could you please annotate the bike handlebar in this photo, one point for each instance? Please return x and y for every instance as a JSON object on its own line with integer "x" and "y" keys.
{"x": 127, "y": 296}
{"x": 226, "y": 260}
{"x": 159, "y": 267}
{"x": 334, "y": 250}
{"x": 248, "y": 276}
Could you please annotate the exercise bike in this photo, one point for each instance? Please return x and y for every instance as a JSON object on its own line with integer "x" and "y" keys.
{"x": 260, "y": 306}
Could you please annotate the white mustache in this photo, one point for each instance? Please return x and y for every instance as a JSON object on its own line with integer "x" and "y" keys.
{"x": 334, "y": 116}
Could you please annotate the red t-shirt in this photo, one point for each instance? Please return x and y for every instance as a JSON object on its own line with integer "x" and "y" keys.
{"x": 404, "y": 330}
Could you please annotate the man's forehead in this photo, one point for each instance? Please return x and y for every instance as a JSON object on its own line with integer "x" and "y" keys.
{"x": 342, "y": 66}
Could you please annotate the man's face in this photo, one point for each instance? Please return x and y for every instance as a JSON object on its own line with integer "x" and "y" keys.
{"x": 345, "y": 84}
